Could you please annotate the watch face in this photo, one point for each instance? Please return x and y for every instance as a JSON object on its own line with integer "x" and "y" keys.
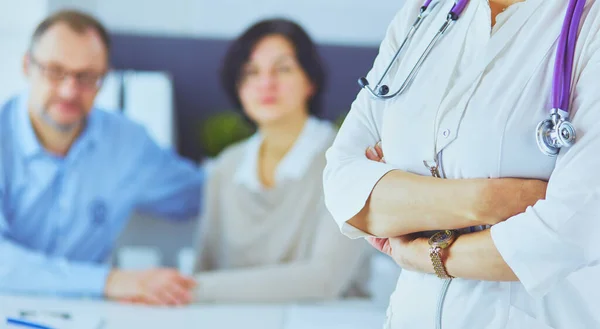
{"x": 442, "y": 238}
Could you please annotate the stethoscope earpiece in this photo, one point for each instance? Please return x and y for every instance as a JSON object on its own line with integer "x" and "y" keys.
{"x": 384, "y": 90}
{"x": 363, "y": 82}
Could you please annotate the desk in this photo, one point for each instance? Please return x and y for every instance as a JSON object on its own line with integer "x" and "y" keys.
{"x": 352, "y": 314}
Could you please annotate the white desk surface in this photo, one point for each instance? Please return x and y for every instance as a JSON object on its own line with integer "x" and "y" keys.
{"x": 352, "y": 314}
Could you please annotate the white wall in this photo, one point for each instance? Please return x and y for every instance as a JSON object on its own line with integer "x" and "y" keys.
{"x": 348, "y": 22}
{"x": 17, "y": 22}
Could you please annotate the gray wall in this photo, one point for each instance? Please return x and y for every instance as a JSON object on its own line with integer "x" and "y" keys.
{"x": 17, "y": 21}
{"x": 169, "y": 237}
{"x": 347, "y": 22}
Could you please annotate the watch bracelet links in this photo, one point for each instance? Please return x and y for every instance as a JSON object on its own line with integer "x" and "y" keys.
{"x": 438, "y": 264}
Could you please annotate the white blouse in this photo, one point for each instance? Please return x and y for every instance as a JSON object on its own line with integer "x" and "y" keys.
{"x": 315, "y": 136}
{"x": 476, "y": 103}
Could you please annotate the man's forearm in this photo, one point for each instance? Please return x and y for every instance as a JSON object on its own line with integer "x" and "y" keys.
{"x": 402, "y": 203}
{"x": 30, "y": 272}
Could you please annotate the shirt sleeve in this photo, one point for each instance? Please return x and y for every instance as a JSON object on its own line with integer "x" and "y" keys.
{"x": 329, "y": 272}
{"x": 558, "y": 235}
{"x": 170, "y": 186}
{"x": 23, "y": 271}
{"x": 350, "y": 177}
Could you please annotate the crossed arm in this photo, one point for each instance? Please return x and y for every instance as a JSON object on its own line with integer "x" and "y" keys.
{"x": 403, "y": 203}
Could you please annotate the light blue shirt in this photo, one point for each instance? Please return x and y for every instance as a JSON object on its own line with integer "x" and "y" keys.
{"x": 60, "y": 216}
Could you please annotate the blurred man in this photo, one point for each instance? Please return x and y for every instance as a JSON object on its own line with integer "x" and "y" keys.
{"x": 70, "y": 176}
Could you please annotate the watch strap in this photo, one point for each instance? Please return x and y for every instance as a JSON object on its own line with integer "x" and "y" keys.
{"x": 438, "y": 264}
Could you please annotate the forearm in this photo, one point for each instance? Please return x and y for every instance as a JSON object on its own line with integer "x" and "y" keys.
{"x": 402, "y": 203}
{"x": 26, "y": 272}
{"x": 472, "y": 256}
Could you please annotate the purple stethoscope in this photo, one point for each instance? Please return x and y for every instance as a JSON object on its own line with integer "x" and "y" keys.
{"x": 553, "y": 133}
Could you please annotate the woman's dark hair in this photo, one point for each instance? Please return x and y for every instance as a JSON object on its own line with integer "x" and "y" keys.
{"x": 306, "y": 53}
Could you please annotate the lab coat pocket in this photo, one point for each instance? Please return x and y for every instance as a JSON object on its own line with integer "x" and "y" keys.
{"x": 518, "y": 319}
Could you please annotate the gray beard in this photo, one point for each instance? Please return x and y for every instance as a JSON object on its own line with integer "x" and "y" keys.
{"x": 63, "y": 128}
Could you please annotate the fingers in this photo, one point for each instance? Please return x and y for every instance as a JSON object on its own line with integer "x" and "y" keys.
{"x": 372, "y": 241}
{"x": 380, "y": 244}
{"x": 379, "y": 150}
{"x": 170, "y": 288}
{"x": 181, "y": 294}
{"x": 155, "y": 297}
{"x": 375, "y": 153}
{"x": 150, "y": 297}
{"x": 168, "y": 297}
{"x": 153, "y": 287}
{"x": 186, "y": 282}
{"x": 128, "y": 300}
{"x": 372, "y": 154}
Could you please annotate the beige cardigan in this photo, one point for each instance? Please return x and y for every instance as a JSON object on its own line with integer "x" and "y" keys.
{"x": 274, "y": 245}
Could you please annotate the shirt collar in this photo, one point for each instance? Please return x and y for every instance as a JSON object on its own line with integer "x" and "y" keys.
{"x": 312, "y": 140}
{"x": 31, "y": 145}
{"x": 503, "y": 17}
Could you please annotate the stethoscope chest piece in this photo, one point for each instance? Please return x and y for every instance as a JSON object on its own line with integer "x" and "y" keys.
{"x": 553, "y": 134}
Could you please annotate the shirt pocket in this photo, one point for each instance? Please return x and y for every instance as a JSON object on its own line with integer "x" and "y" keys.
{"x": 518, "y": 319}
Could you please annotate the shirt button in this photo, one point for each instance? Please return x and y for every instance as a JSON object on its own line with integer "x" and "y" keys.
{"x": 446, "y": 133}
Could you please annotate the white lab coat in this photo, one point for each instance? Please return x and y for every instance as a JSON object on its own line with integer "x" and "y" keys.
{"x": 478, "y": 99}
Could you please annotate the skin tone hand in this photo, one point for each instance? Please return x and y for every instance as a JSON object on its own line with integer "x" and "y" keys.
{"x": 399, "y": 249}
{"x": 162, "y": 287}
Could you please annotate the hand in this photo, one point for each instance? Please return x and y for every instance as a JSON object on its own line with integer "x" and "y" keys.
{"x": 404, "y": 250}
{"x": 152, "y": 287}
{"x": 375, "y": 153}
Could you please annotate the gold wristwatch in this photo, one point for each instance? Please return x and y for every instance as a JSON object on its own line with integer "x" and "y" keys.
{"x": 438, "y": 242}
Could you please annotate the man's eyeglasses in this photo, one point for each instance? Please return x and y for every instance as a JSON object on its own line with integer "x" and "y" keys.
{"x": 85, "y": 79}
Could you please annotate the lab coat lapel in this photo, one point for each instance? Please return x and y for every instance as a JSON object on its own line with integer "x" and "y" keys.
{"x": 455, "y": 102}
{"x": 497, "y": 44}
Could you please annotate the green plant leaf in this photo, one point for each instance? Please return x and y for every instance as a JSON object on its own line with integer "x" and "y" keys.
{"x": 222, "y": 130}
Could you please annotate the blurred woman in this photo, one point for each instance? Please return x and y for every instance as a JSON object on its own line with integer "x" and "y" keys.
{"x": 266, "y": 235}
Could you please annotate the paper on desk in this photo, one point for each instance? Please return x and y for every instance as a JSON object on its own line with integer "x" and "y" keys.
{"x": 333, "y": 317}
{"x": 54, "y": 321}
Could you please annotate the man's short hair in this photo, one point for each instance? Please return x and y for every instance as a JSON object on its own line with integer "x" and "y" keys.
{"x": 76, "y": 20}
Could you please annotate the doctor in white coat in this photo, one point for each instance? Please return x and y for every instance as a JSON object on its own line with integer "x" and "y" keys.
{"x": 472, "y": 110}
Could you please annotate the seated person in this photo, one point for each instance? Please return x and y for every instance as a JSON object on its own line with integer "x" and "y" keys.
{"x": 266, "y": 235}
{"x": 71, "y": 174}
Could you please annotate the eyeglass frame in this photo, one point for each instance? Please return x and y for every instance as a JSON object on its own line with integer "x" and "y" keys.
{"x": 60, "y": 75}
